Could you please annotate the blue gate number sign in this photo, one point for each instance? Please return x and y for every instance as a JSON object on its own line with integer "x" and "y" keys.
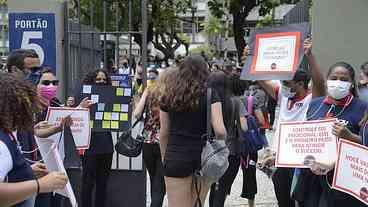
{"x": 34, "y": 31}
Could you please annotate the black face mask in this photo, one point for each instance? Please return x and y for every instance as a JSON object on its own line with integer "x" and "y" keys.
{"x": 125, "y": 65}
{"x": 139, "y": 81}
{"x": 101, "y": 83}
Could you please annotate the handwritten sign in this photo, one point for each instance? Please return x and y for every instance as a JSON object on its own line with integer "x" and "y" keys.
{"x": 81, "y": 123}
{"x": 275, "y": 52}
{"x": 302, "y": 142}
{"x": 351, "y": 170}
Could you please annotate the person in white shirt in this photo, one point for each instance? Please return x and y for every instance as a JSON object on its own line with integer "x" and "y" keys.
{"x": 18, "y": 182}
{"x": 293, "y": 98}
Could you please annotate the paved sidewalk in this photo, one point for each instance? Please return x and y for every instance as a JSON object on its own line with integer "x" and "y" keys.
{"x": 264, "y": 198}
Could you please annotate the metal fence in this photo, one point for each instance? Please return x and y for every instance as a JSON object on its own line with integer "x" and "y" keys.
{"x": 88, "y": 48}
{"x": 300, "y": 13}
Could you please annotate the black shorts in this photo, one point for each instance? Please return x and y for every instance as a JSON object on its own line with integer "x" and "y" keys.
{"x": 249, "y": 177}
{"x": 180, "y": 169}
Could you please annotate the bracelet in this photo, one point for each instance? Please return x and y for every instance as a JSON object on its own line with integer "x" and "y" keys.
{"x": 38, "y": 186}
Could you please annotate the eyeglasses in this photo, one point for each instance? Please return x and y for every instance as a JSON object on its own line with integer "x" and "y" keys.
{"x": 48, "y": 82}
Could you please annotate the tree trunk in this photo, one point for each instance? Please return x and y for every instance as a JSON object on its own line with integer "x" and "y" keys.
{"x": 239, "y": 18}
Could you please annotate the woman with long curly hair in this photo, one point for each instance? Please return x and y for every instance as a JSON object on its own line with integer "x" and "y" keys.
{"x": 19, "y": 102}
{"x": 183, "y": 121}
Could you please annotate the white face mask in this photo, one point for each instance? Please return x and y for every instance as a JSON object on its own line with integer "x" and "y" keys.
{"x": 286, "y": 92}
{"x": 337, "y": 89}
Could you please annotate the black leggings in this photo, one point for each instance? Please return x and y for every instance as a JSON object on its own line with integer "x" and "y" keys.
{"x": 153, "y": 162}
{"x": 220, "y": 190}
{"x": 282, "y": 180}
{"x": 96, "y": 171}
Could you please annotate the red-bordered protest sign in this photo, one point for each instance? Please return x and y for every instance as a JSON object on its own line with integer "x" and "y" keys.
{"x": 351, "y": 170}
{"x": 299, "y": 143}
{"x": 81, "y": 123}
{"x": 275, "y": 52}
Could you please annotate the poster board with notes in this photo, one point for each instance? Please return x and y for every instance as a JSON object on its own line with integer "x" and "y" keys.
{"x": 111, "y": 109}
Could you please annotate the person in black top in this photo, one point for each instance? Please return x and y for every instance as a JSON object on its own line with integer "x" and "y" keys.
{"x": 232, "y": 107}
{"x": 97, "y": 160}
{"x": 183, "y": 121}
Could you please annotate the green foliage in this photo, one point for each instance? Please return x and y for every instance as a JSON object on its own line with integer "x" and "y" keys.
{"x": 203, "y": 49}
{"x": 216, "y": 8}
{"x": 184, "y": 38}
{"x": 266, "y": 21}
{"x": 213, "y": 27}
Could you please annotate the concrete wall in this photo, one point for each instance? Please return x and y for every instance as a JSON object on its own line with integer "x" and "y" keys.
{"x": 47, "y": 6}
{"x": 340, "y": 31}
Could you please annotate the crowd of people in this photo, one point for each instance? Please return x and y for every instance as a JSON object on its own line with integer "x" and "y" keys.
{"x": 174, "y": 109}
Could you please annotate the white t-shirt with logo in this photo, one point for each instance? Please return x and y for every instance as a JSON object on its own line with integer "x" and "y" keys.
{"x": 298, "y": 112}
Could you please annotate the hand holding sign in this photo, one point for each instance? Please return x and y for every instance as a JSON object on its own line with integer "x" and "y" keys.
{"x": 340, "y": 130}
{"x": 308, "y": 46}
{"x": 303, "y": 144}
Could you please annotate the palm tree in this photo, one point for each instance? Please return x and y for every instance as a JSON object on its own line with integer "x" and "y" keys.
{"x": 213, "y": 28}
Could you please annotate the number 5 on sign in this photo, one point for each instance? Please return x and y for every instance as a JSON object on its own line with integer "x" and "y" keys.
{"x": 26, "y": 43}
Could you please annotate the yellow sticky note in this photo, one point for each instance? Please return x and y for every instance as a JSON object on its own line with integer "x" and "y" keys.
{"x": 91, "y": 124}
{"x": 106, "y": 125}
{"x": 107, "y": 116}
{"x": 123, "y": 117}
{"x": 116, "y": 107}
{"x": 114, "y": 125}
{"x": 120, "y": 92}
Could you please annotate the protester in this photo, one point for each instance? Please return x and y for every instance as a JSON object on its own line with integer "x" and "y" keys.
{"x": 149, "y": 104}
{"x": 124, "y": 67}
{"x": 293, "y": 98}
{"x": 255, "y": 103}
{"x": 47, "y": 87}
{"x": 183, "y": 123}
{"x": 363, "y": 82}
{"x": 341, "y": 102}
{"x": 138, "y": 82}
{"x": 25, "y": 64}
{"x": 21, "y": 97}
{"x": 231, "y": 107}
{"x": 97, "y": 160}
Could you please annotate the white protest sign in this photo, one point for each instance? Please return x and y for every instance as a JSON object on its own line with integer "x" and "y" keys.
{"x": 300, "y": 142}
{"x": 351, "y": 170}
{"x": 276, "y": 53}
{"x": 81, "y": 123}
{"x": 53, "y": 162}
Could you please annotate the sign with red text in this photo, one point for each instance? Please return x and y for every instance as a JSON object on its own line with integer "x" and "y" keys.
{"x": 81, "y": 123}
{"x": 351, "y": 170}
{"x": 275, "y": 52}
{"x": 300, "y": 143}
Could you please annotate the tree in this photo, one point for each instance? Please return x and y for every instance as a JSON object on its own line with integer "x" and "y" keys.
{"x": 239, "y": 9}
{"x": 213, "y": 28}
{"x": 162, "y": 25}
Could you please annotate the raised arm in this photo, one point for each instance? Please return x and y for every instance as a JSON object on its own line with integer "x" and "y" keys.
{"x": 139, "y": 109}
{"x": 319, "y": 87}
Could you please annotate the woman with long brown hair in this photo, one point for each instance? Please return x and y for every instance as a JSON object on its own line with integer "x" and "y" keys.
{"x": 183, "y": 123}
